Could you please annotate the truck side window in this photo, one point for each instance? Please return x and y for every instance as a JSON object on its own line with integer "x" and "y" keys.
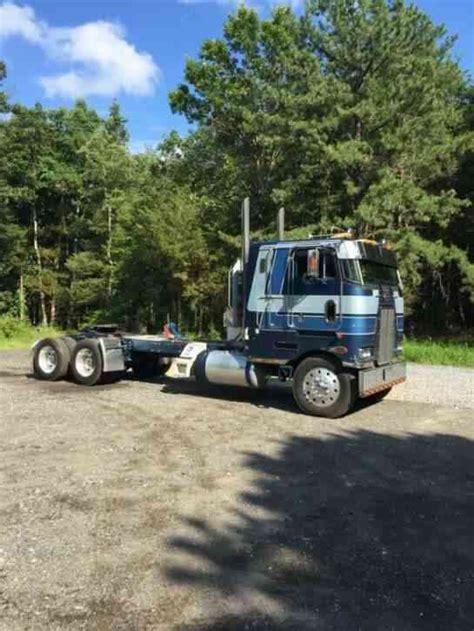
{"x": 294, "y": 279}
{"x": 327, "y": 265}
{"x": 350, "y": 268}
{"x": 298, "y": 282}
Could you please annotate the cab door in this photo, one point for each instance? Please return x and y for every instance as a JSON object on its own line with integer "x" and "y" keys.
{"x": 259, "y": 300}
{"x": 275, "y": 300}
{"x": 313, "y": 290}
{"x": 266, "y": 295}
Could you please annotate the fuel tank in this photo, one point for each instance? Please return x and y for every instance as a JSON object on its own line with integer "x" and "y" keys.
{"x": 230, "y": 368}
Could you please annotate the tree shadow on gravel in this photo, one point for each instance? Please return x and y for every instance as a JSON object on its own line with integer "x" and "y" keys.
{"x": 361, "y": 531}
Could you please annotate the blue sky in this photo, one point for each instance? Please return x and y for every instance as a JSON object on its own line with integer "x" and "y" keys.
{"x": 136, "y": 50}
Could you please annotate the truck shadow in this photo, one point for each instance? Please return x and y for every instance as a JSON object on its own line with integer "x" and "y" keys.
{"x": 274, "y": 396}
{"x": 356, "y": 531}
{"x": 277, "y": 396}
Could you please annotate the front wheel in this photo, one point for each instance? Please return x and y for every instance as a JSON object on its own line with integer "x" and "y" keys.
{"x": 321, "y": 389}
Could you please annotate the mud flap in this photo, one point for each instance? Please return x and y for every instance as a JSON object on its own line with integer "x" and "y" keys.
{"x": 112, "y": 354}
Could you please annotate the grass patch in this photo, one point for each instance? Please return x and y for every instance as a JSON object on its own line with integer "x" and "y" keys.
{"x": 441, "y": 352}
{"x": 15, "y": 334}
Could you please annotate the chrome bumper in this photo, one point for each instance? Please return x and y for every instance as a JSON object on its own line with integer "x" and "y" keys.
{"x": 377, "y": 379}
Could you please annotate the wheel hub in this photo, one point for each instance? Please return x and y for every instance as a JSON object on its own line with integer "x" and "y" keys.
{"x": 321, "y": 387}
{"x": 85, "y": 362}
{"x": 47, "y": 359}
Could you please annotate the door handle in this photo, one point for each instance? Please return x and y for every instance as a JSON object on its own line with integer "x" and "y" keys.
{"x": 330, "y": 311}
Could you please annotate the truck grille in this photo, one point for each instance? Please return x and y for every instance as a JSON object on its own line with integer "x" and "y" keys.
{"x": 386, "y": 336}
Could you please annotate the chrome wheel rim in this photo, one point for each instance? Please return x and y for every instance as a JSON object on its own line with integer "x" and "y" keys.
{"x": 321, "y": 387}
{"x": 85, "y": 362}
{"x": 47, "y": 359}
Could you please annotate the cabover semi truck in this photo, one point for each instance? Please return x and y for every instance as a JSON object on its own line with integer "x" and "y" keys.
{"x": 325, "y": 313}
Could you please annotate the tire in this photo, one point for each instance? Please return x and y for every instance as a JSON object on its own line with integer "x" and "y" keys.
{"x": 70, "y": 343}
{"x": 378, "y": 396}
{"x": 87, "y": 364}
{"x": 51, "y": 359}
{"x": 333, "y": 397}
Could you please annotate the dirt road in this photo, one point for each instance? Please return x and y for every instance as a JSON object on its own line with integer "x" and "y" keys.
{"x": 157, "y": 506}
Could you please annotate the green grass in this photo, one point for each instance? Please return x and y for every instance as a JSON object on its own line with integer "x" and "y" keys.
{"x": 24, "y": 336}
{"x": 441, "y": 352}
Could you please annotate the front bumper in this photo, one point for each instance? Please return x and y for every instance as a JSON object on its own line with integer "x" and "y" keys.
{"x": 375, "y": 380}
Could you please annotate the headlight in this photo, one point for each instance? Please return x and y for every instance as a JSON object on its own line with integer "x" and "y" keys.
{"x": 365, "y": 353}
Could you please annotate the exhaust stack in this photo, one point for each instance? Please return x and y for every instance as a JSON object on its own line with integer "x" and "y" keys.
{"x": 245, "y": 231}
{"x": 245, "y": 255}
{"x": 281, "y": 224}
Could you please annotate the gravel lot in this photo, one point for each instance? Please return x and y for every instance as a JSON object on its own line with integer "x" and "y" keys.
{"x": 163, "y": 506}
{"x": 441, "y": 385}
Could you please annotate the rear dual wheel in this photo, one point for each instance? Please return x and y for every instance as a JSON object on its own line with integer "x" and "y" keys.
{"x": 51, "y": 359}
{"x": 320, "y": 388}
{"x": 87, "y": 365}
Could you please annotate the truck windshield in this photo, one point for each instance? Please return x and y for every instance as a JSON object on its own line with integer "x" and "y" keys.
{"x": 367, "y": 272}
{"x": 375, "y": 273}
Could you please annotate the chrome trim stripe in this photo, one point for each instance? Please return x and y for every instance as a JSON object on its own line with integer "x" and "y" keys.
{"x": 353, "y": 325}
{"x": 266, "y": 360}
{"x": 345, "y": 305}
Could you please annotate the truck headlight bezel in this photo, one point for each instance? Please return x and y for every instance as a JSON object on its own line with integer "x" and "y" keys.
{"x": 365, "y": 353}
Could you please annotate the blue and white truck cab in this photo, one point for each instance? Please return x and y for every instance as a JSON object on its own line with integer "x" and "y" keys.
{"x": 325, "y": 313}
{"x": 333, "y": 295}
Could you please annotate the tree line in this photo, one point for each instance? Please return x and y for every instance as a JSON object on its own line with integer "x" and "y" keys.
{"x": 353, "y": 114}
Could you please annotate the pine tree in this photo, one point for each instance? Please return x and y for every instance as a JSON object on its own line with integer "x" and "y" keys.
{"x": 350, "y": 115}
{"x": 116, "y": 125}
{"x": 3, "y": 96}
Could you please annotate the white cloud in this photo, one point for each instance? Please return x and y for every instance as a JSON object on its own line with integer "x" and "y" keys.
{"x": 20, "y": 21}
{"x": 108, "y": 63}
{"x": 101, "y": 61}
